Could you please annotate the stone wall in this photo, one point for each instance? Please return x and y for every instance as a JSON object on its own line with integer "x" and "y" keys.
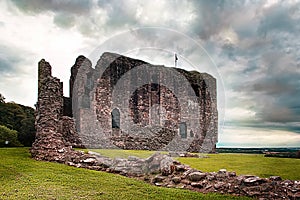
{"x": 128, "y": 103}
{"x": 143, "y": 96}
{"x": 55, "y": 133}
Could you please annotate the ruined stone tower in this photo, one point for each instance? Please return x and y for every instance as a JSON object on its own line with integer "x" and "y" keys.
{"x": 130, "y": 104}
{"x": 55, "y": 133}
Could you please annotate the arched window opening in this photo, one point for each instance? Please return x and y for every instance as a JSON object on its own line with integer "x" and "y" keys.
{"x": 115, "y": 118}
{"x": 183, "y": 130}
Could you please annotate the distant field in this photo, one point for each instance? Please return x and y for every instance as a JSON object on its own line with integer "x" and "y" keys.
{"x": 24, "y": 178}
{"x": 252, "y": 164}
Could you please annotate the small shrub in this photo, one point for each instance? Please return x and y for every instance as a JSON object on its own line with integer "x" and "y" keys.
{"x": 8, "y": 137}
{"x": 298, "y": 154}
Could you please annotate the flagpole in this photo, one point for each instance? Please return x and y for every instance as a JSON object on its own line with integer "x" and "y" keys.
{"x": 176, "y": 60}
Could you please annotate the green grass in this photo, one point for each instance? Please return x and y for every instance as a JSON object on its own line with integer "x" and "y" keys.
{"x": 24, "y": 178}
{"x": 253, "y": 164}
{"x": 120, "y": 153}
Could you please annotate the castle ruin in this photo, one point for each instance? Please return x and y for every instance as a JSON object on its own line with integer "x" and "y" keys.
{"x": 129, "y": 104}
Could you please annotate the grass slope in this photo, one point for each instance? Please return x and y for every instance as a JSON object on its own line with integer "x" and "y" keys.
{"x": 24, "y": 178}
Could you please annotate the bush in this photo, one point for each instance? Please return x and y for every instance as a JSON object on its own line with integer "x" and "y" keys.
{"x": 8, "y": 137}
{"x": 298, "y": 154}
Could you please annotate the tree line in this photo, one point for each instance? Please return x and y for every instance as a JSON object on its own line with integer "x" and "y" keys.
{"x": 16, "y": 124}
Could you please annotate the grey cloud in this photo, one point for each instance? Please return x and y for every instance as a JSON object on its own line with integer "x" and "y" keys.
{"x": 208, "y": 20}
{"x": 11, "y": 61}
{"x": 66, "y": 12}
{"x": 64, "y": 21}
{"x": 275, "y": 113}
{"x": 270, "y": 79}
{"x": 120, "y": 13}
{"x": 274, "y": 86}
{"x": 278, "y": 18}
{"x": 276, "y": 97}
{"x": 288, "y": 126}
{"x": 69, "y": 6}
{"x": 214, "y": 16}
{"x": 8, "y": 60}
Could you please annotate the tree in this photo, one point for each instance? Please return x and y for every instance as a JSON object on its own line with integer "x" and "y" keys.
{"x": 8, "y": 137}
{"x": 20, "y": 118}
{"x": 2, "y": 99}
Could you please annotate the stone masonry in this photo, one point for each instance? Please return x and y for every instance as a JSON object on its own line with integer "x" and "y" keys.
{"x": 126, "y": 103}
{"x": 55, "y": 133}
{"x": 130, "y": 104}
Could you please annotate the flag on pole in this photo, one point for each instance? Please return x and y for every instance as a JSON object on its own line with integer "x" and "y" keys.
{"x": 176, "y": 58}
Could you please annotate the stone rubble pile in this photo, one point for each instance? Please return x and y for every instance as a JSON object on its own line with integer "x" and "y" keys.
{"x": 162, "y": 170}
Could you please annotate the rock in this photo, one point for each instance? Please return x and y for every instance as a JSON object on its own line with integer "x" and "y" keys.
{"x": 296, "y": 195}
{"x": 187, "y": 172}
{"x": 61, "y": 150}
{"x": 133, "y": 158}
{"x": 231, "y": 174}
{"x": 197, "y": 185}
{"x": 166, "y": 165}
{"x": 154, "y": 162}
{"x": 252, "y": 180}
{"x": 94, "y": 153}
{"x": 104, "y": 161}
{"x": 89, "y": 160}
{"x": 196, "y": 176}
{"x": 218, "y": 185}
{"x": 185, "y": 182}
{"x": 176, "y": 179}
{"x": 211, "y": 176}
{"x": 181, "y": 168}
{"x": 275, "y": 178}
{"x": 287, "y": 183}
{"x": 158, "y": 179}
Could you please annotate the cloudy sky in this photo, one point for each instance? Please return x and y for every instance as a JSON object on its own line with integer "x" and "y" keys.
{"x": 253, "y": 47}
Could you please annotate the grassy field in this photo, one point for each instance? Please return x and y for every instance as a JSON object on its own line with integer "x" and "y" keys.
{"x": 24, "y": 178}
{"x": 119, "y": 153}
{"x": 252, "y": 164}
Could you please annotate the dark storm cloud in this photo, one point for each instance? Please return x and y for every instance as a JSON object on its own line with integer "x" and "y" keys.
{"x": 208, "y": 21}
{"x": 279, "y": 17}
{"x": 276, "y": 95}
{"x": 270, "y": 77}
{"x": 65, "y": 11}
{"x": 214, "y": 16}
{"x": 69, "y": 6}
